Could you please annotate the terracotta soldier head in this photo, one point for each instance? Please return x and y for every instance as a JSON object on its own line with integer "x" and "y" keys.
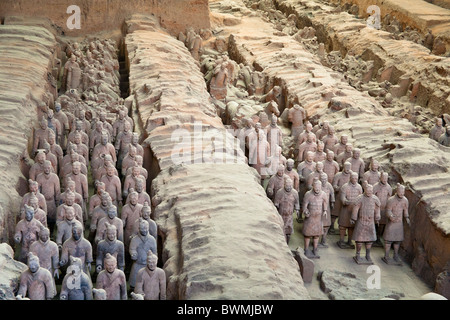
{"x": 110, "y": 263}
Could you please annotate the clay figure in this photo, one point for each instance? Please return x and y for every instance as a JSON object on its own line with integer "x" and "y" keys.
{"x": 286, "y": 201}
{"x": 276, "y": 182}
{"x": 348, "y": 194}
{"x": 47, "y": 252}
{"x": 27, "y": 232}
{"x": 151, "y": 280}
{"x": 139, "y": 247}
{"x": 36, "y": 283}
{"x": 383, "y": 191}
{"x": 328, "y": 189}
{"x": 112, "y": 246}
{"x": 365, "y": 214}
{"x": 396, "y": 211}
{"x": 112, "y": 280}
{"x": 292, "y": 174}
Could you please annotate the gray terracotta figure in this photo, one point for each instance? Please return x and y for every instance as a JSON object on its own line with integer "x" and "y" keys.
{"x": 345, "y": 155}
{"x": 383, "y": 191}
{"x": 33, "y": 189}
{"x": 98, "y": 213}
{"x": 95, "y": 200}
{"x": 143, "y": 196}
{"x": 76, "y": 285}
{"x": 139, "y": 162}
{"x": 27, "y": 232}
{"x": 67, "y": 168}
{"x": 47, "y": 252}
{"x": 259, "y": 155}
{"x": 54, "y": 125}
{"x": 140, "y": 245}
{"x": 69, "y": 202}
{"x": 340, "y": 146}
{"x": 49, "y": 186}
{"x": 296, "y": 116}
{"x": 113, "y": 185}
{"x": 40, "y": 134}
{"x": 123, "y": 141}
{"x": 322, "y": 131}
{"x": 372, "y": 176}
{"x": 348, "y": 194}
{"x": 357, "y": 162}
{"x": 61, "y": 116}
{"x": 130, "y": 212}
{"x": 438, "y": 130}
{"x": 36, "y": 282}
{"x": 286, "y": 201}
{"x": 65, "y": 226}
{"x": 79, "y": 247}
{"x": 135, "y": 143}
{"x": 302, "y": 137}
{"x": 96, "y": 136}
{"x": 396, "y": 211}
{"x": 339, "y": 180}
{"x": 110, "y": 218}
{"x": 112, "y": 246}
{"x": 38, "y": 165}
{"x": 444, "y": 139}
{"x": 129, "y": 159}
{"x": 145, "y": 214}
{"x": 55, "y": 149}
{"x": 79, "y": 130}
{"x": 151, "y": 280}
{"x": 307, "y": 146}
{"x": 320, "y": 155}
{"x": 314, "y": 207}
{"x": 330, "y": 140}
{"x": 112, "y": 280}
{"x": 304, "y": 169}
{"x": 276, "y": 182}
{"x": 81, "y": 182}
{"x": 365, "y": 214}
{"x": 330, "y": 166}
{"x": 104, "y": 147}
{"x": 292, "y": 173}
{"x": 50, "y": 156}
{"x": 39, "y": 214}
{"x": 318, "y": 170}
{"x": 130, "y": 181}
{"x": 99, "y": 172}
{"x": 274, "y": 135}
{"x": 328, "y": 189}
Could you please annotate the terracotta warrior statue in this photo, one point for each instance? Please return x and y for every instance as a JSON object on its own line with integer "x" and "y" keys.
{"x": 345, "y": 155}
{"x": 304, "y": 169}
{"x": 296, "y": 116}
{"x": 292, "y": 174}
{"x": 383, "y": 191}
{"x": 113, "y": 185}
{"x": 64, "y": 121}
{"x": 139, "y": 247}
{"x": 49, "y": 186}
{"x": 122, "y": 143}
{"x": 40, "y": 135}
{"x": 330, "y": 166}
{"x": 33, "y": 188}
{"x": 145, "y": 214}
{"x": 340, "y": 146}
{"x": 111, "y": 218}
{"x": 104, "y": 147}
{"x": 79, "y": 247}
{"x": 139, "y": 162}
{"x": 320, "y": 155}
{"x": 151, "y": 280}
{"x": 348, "y": 194}
{"x": 314, "y": 206}
{"x": 47, "y": 252}
{"x": 307, "y": 146}
{"x": 130, "y": 180}
{"x": 76, "y": 285}
{"x": 130, "y": 212}
{"x": 276, "y": 182}
{"x": 365, "y": 214}
{"x": 286, "y": 201}
{"x": 95, "y": 200}
{"x": 38, "y": 166}
{"x": 112, "y": 280}
{"x": 64, "y": 227}
{"x": 36, "y": 283}
{"x": 27, "y": 232}
{"x": 396, "y": 211}
{"x": 98, "y": 213}
{"x": 372, "y": 176}
{"x": 438, "y": 130}
{"x": 69, "y": 202}
{"x": 339, "y": 180}
{"x": 39, "y": 214}
{"x": 112, "y": 246}
{"x": 330, "y": 140}
{"x": 357, "y": 162}
{"x": 129, "y": 160}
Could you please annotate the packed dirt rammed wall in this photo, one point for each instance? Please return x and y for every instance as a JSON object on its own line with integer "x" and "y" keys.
{"x": 101, "y": 15}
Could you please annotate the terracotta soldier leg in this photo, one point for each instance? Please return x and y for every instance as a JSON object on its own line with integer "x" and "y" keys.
{"x": 332, "y": 230}
{"x": 323, "y": 241}
{"x": 387, "y": 248}
{"x": 308, "y": 252}
{"x": 315, "y": 245}
{"x": 368, "y": 247}
{"x": 349, "y": 237}
{"x": 358, "y": 251}
{"x": 396, "y": 247}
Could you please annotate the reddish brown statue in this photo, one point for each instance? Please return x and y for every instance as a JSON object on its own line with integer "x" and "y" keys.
{"x": 314, "y": 207}
{"x": 365, "y": 213}
{"x": 27, "y": 232}
{"x": 130, "y": 212}
{"x": 112, "y": 280}
{"x": 276, "y": 182}
{"x": 79, "y": 247}
{"x": 348, "y": 194}
{"x": 49, "y": 186}
{"x": 36, "y": 283}
{"x": 383, "y": 191}
{"x": 286, "y": 201}
{"x": 339, "y": 180}
{"x": 327, "y": 188}
{"x": 151, "y": 281}
{"x": 112, "y": 246}
{"x": 396, "y": 211}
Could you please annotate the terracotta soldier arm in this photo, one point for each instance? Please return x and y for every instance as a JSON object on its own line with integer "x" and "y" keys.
{"x": 355, "y": 210}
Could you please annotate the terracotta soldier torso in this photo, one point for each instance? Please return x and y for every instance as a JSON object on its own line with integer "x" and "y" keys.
{"x": 366, "y": 211}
